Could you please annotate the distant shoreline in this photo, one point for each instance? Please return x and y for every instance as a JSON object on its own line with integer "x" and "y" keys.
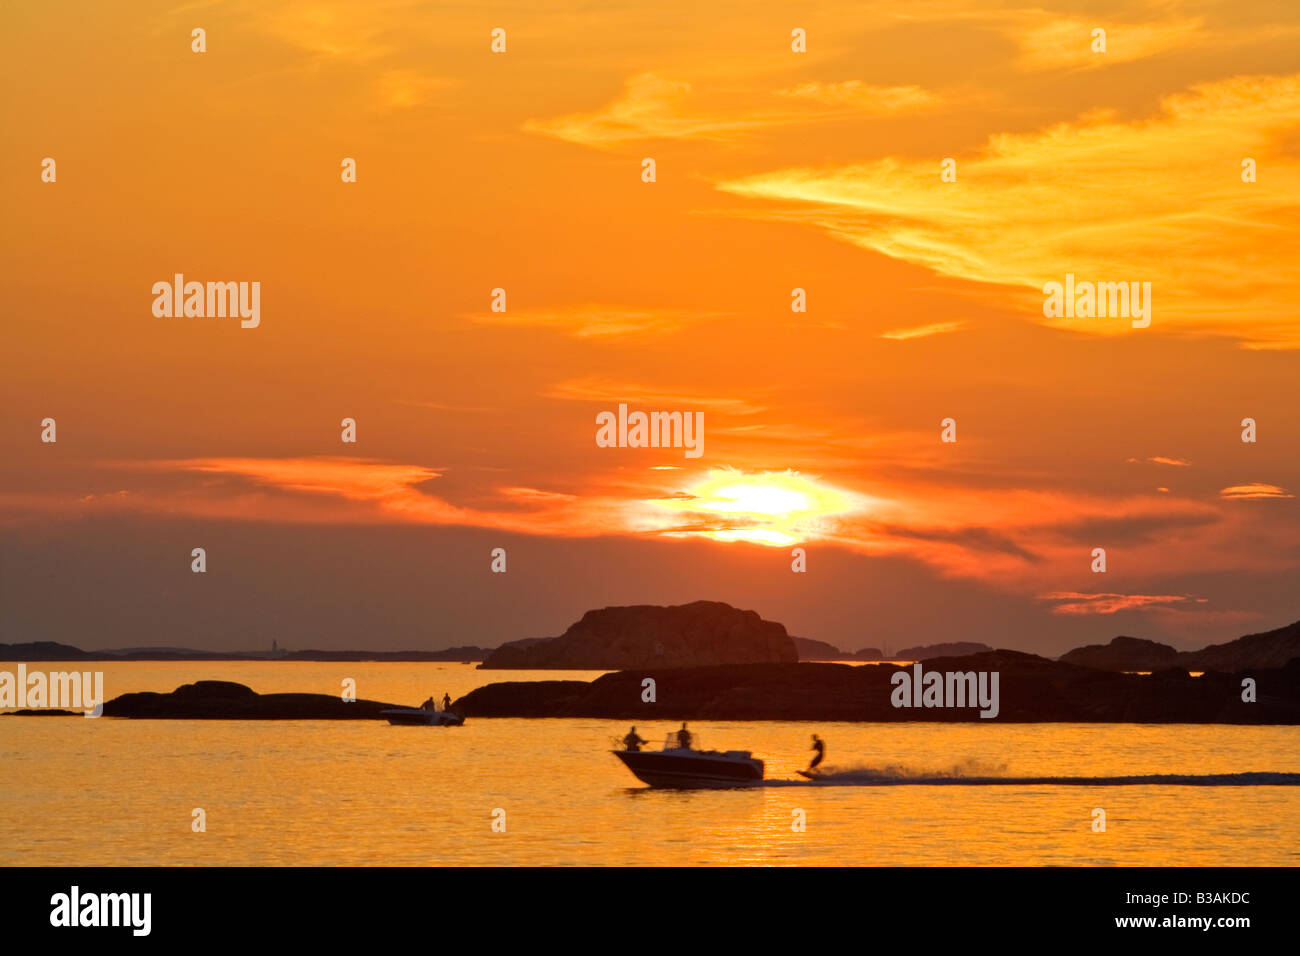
{"x": 1032, "y": 690}
{"x": 49, "y": 651}
{"x": 640, "y": 637}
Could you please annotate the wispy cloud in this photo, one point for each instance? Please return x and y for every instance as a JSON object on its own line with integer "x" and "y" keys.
{"x": 1159, "y": 460}
{"x": 862, "y": 97}
{"x": 922, "y": 331}
{"x": 1010, "y": 539}
{"x": 597, "y": 321}
{"x": 1049, "y": 43}
{"x": 340, "y": 490}
{"x": 1255, "y": 491}
{"x": 1100, "y": 198}
{"x": 654, "y": 107}
{"x": 1075, "y": 602}
{"x": 609, "y": 390}
{"x": 443, "y": 406}
{"x": 400, "y": 89}
{"x": 651, "y": 107}
{"x": 1048, "y": 40}
{"x": 332, "y": 29}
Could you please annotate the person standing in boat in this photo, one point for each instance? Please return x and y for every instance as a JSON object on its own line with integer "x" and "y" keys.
{"x": 820, "y": 751}
{"x": 633, "y": 741}
{"x": 684, "y": 737}
{"x": 446, "y": 701}
{"x": 429, "y": 704}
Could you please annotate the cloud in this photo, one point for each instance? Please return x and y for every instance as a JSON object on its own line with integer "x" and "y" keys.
{"x": 1134, "y": 523}
{"x": 607, "y": 390}
{"x": 400, "y": 89}
{"x": 1074, "y": 602}
{"x": 862, "y": 98}
{"x": 1255, "y": 491}
{"x": 1008, "y": 538}
{"x": 391, "y": 486}
{"x": 332, "y": 29}
{"x": 1100, "y": 198}
{"x": 1031, "y": 541}
{"x": 595, "y": 321}
{"x": 536, "y": 494}
{"x": 1059, "y": 44}
{"x": 970, "y": 538}
{"x": 340, "y": 490}
{"x": 922, "y": 331}
{"x": 653, "y": 107}
{"x": 443, "y": 406}
{"x": 650, "y": 108}
{"x": 1159, "y": 460}
{"x": 1047, "y": 40}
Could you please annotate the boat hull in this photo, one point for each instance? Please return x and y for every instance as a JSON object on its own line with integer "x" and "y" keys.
{"x": 413, "y": 717}
{"x": 690, "y": 769}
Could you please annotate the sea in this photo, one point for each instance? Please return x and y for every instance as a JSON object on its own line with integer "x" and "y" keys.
{"x": 118, "y": 792}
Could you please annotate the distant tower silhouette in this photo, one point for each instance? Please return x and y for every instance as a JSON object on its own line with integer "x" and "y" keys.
{"x": 275, "y": 648}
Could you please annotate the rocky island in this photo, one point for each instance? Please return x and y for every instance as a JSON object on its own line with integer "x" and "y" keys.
{"x": 1031, "y": 689}
{"x": 225, "y": 700}
{"x": 701, "y": 634}
{"x": 709, "y": 660}
{"x": 1267, "y": 649}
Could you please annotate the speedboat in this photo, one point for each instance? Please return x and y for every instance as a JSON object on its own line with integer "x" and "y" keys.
{"x": 418, "y": 716}
{"x": 686, "y": 767}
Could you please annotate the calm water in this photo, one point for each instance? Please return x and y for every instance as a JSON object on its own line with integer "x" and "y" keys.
{"x": 101, "y": 792}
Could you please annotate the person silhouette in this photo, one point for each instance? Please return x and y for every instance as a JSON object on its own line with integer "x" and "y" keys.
{"x": 446, "y": 701}
{"x": 684, "y": 737}
{"x": 632, "y": 741}
{"x": 820, "y": 749}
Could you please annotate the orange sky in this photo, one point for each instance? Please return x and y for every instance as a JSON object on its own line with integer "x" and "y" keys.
{"x": 522, "y": 171}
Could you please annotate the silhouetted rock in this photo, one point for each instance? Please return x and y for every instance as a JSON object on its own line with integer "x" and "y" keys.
{"x": 41, "y": 651}
{"x": 925, "y": 652}
{"x": 1273, "y": 648}
{"x": 1123, "y": 654}
{"x": 1031, "y": 689}
{"x": 224, "y": 700}
{"x": 523, "y": 698}
{"x": 867, "y": 654}
{"x": 467, "y": 653}
{"x": 511, "y": 649}
{"x": 810, "y": 650}
{"x": 644, "y": 635}
{"x": 1268, "y": 649}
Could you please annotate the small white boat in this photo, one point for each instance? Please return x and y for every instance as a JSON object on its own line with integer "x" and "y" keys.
{"x": 418, "y": 716}
{"x": 686, "y": 767}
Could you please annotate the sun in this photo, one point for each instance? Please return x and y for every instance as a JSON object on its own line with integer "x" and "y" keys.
{"x": 774, "y": 508}
{"x": 757, "y": 498}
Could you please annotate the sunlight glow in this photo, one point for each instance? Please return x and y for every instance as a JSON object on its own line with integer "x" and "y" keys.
{"x": 770, "y": 508}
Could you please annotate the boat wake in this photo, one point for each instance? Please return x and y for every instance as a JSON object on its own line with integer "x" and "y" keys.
{"x": 963, "y": 777}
